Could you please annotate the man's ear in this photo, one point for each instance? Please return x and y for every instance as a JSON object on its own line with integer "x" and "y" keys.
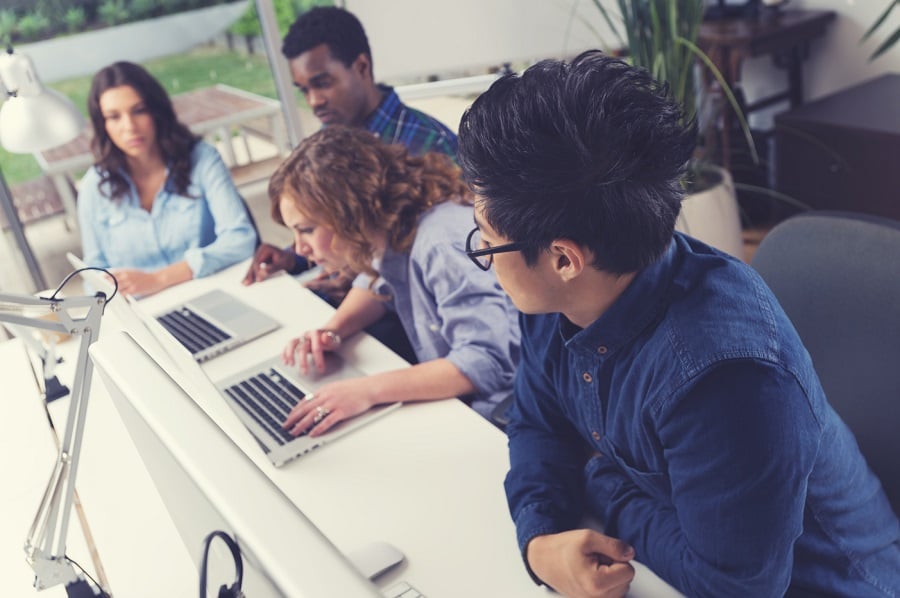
{"x": 363, "y": 66}
{"x": 569, "y": 258}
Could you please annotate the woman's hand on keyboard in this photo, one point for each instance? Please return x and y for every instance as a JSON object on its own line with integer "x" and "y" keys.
{"x": 330, "y": 404}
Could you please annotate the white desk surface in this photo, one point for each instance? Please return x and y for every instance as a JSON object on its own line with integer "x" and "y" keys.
{"x": 426, "y": 478}
{"x": 139, "y": 546}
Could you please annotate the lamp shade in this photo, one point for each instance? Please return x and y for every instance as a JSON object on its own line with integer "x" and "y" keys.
{"x": 33, "y": 118}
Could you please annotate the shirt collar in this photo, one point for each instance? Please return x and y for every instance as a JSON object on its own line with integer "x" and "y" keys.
{"x": 641, "y": 304}
{"x": 387, "y": 110}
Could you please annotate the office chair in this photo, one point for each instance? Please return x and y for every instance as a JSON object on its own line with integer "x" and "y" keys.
{"x": 252, "y": 222}
{"x": 837, "y": 276}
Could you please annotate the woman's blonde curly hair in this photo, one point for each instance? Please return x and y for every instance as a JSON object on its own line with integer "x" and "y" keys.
{"x": 349, "y": 181}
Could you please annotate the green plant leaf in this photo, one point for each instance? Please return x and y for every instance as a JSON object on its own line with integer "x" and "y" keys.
{"x": 884, "y": 47}
{"x": 891, "y": 40}
{"x": 880, "y": 20}
{"x": 745, "y": 127}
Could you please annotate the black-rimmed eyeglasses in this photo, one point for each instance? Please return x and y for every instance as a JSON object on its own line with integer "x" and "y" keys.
{"x": 483, "y": 258}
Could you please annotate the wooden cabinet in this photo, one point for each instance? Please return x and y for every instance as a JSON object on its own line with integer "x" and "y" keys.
{"x": 842, "y": 152}
{"x": 786, "y": 35}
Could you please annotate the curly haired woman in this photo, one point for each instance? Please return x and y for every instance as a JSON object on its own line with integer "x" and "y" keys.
{"x": 358, "y": 204}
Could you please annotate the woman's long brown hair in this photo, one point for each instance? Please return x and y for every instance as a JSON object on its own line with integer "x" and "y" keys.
{"x": 174, "y": 138}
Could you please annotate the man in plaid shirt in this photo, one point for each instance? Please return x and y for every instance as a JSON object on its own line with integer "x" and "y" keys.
{"x": 331, "y": 64}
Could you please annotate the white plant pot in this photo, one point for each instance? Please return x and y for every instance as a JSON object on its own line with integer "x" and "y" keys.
{"x": 712, "y": 216}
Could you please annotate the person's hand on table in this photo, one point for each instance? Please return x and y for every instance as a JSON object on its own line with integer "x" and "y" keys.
{"x": 582, "y": 563}
{"x": 330, "y": 404}
{"x": 138, "y": 282}
{"x": 268, "y": 260}
{"x": 311, "y": 343}
{"x": 334, "y": 285}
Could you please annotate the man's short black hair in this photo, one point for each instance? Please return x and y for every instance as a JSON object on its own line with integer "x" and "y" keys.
{"x": 336, "y": 27}
{"x": 593, "y": 151}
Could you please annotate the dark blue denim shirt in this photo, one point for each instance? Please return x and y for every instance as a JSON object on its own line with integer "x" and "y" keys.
{"x": 689, "y": 419}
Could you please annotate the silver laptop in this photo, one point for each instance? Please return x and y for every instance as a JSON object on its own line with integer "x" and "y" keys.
{"x": 261, "y": 395}
{"x": 207, "y": 325}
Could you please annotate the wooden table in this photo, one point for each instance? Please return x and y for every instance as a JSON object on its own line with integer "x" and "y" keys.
{"x": 207, "y": 111}
{"x": 785, "y": 34}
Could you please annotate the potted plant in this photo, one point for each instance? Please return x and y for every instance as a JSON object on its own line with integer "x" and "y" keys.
{"x": 892, "y": 38}
{"x": 661, "y": 36}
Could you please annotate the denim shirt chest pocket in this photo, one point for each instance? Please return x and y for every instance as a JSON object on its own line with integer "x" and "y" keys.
{"x": 182, "y": 206}
{"x": 179, "y": 223}
{"x": 655, "y": 483}
{"x": 123, "y": 222}
{"x": 114, "y": 216}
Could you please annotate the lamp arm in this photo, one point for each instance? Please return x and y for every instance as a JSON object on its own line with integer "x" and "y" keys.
{"x": 45, "y": 547}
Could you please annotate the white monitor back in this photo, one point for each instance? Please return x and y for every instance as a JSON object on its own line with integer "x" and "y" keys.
{"x": 208, "y": 483}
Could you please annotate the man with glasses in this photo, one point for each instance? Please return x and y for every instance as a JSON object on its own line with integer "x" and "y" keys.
{"x": 483, "y": 256}
{"x": 661, "y": 388}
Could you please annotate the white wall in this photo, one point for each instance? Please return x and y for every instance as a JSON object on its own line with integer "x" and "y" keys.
{"x": 413, "y": 38}
{"x": 836, "y": 61}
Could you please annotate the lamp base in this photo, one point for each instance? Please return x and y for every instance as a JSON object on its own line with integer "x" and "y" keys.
{"x": 54, "y": 389}
{"x": 82, "y": 589}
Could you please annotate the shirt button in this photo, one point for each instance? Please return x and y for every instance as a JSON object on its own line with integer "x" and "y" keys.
{"x": 587, "y": 377}
{"x": 602, "y": 349}
{"x": 596, "y": 435}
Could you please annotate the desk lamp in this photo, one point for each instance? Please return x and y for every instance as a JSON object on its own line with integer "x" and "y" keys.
{"x": 35, "y": 118}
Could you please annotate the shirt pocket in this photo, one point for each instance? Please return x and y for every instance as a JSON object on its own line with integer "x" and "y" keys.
{"x": 654, "y": 483}
{"x": 179, "y": 226}
{"x": 114, "y": 217}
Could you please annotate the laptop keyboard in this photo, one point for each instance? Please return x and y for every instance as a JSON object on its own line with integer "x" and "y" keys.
{"x": 402, "y": 590}
{"x": 192, "y": 330}
{"x": 267, "y": 397}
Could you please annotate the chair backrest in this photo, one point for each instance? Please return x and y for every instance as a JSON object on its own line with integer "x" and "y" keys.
{"x": 837, "y": 276}
{"x": 252, "y": 222}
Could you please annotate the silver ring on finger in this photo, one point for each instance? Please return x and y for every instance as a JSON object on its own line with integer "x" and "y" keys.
{"x": 321, "y": 413}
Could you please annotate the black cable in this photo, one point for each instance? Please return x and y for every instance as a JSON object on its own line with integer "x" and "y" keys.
{"x": 103, "y": 593}
{"x": 224, "y": 592}
{"x": 79, "y": 270}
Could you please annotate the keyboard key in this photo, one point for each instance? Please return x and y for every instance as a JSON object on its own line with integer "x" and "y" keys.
{"x": 192, "y": 330}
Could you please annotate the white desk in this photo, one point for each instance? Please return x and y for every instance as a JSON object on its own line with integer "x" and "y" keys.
{"x": 139, "y": 546}
{"x": 426, "y": 478}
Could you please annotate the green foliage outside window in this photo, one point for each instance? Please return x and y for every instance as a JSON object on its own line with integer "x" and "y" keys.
{"x": 285, "y": 13}
{"x": 26, "y": 21}
{"x": 74, "y": 18}
{"x": 113, "y": 12}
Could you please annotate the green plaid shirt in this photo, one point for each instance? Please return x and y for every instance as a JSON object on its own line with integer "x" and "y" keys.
{"x": 395, "y": 122}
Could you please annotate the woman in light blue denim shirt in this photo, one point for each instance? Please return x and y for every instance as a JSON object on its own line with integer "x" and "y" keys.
{"x": 356, "y": 203}
{"x": 159, "y": 206}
